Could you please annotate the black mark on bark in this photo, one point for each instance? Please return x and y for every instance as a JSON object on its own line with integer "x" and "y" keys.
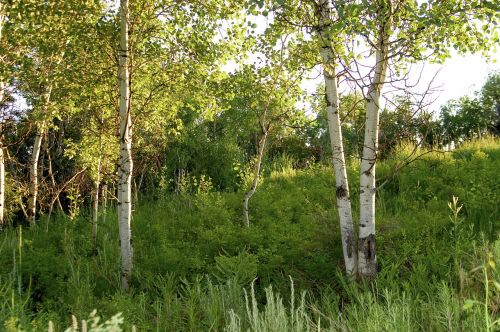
{"x": 341, "y": 192}
{"x": 367, "y": 247}
{"x": 349, "y": 244}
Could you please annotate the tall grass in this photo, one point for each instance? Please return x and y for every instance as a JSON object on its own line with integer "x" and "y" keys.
{"x": 197, "y": 269}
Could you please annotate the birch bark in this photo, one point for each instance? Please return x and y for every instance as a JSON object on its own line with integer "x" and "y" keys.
{"x": 367, "y": 260}
{"x": 125, "y": 163}
{"x": 336, "y": 141}
{"x": 104, "y": 198}
{"x": 35, "y": 155}
{"x": 33, "y": 187}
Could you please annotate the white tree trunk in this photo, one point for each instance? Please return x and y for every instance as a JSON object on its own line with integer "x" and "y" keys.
{"x": 255, "y": 181}
{"x": 35, "y": 155}
{"x": 104, "y": 198}
{"x": 33, "y": 187}
{"x": 125, "y": 163}
{"x": 336, "y": 141}
{"x": 367, "y": 260}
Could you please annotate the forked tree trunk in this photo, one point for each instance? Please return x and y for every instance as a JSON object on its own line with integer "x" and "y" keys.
{"x": 256, "y": 174}
{"x": 367, "y": 260}
{"x": 125, "y": 163}
{"x": 336, "y": 141}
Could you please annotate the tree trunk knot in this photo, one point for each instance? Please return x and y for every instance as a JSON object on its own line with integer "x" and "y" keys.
{"x": 341, "y": 192}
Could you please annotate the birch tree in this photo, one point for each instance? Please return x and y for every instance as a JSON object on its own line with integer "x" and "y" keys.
{"x": 33, "y": 76}
{"x": 400, "y": 32}
{"x": 391, "y": 34}
{"x": 298, "y": 19}
{"x": 42, "y": 32}
{"x": 269, "y": 94}
{"x": 125, "y": 162}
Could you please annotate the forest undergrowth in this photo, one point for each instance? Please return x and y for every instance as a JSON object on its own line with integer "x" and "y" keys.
{"x": 198, "y": 269}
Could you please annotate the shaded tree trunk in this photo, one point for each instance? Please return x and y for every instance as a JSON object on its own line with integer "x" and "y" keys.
{"x": 336, "y": 140}
{"x": 125, "y": 163}
{"x": 97, "y": 184}
{"x": 95, "y": 205}
{"x": 54, "y": 186}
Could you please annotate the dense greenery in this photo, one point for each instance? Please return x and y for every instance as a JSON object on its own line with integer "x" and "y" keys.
{"x": 181, "y": 132}
{"x": 197, "y": 269}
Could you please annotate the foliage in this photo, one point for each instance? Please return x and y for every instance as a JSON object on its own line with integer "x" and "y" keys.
{"x": 207, "y": 87}
{"x": 194, "y": 260}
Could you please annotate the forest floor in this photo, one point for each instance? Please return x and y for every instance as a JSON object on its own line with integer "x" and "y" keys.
{"x": 197, "y": 269}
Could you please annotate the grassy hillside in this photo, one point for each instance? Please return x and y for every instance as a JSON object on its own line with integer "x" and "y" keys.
{"x": 198, "y": 269}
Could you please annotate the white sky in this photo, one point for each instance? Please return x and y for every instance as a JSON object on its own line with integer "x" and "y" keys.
{"x": 458, "y": 76}
{"x": 462, "y": 75}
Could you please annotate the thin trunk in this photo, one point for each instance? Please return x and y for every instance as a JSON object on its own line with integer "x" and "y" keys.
{"x": 139, "y": 186}
{"x": 125, "y": 163}
{"x": 97, "y": 184}
{"x": 35, "y": 155}
{"x": 33, "y": 188}
{"x": 95, "y": 206}
{"x": 54, "y": 184}
{"x": 43, "y": 154}
{"x": 2, "y": 17}
{"x": 256, "y": 174}
{"x": 104, "y": 198}
{"x": 338, "y": 158}
{"x": 367, "y": 260}
{"x": 135, "y": 192}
